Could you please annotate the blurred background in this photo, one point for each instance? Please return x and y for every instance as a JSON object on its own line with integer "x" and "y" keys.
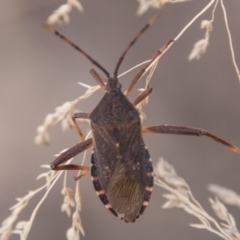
{"x": 39, "y": 72}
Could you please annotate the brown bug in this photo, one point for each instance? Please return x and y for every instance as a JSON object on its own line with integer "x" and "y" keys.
{"x": 121, "y": 169}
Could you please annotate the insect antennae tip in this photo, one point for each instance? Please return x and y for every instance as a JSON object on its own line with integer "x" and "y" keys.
{"x": 48, "y": 27}
{"x": 153, "y": 19}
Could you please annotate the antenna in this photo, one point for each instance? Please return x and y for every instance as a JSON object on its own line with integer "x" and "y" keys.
{"x": 150, "y": 22}
{"x": 52, "y": 30}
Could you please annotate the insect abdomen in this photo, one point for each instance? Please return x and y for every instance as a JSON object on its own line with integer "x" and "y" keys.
{"x": 98, "y": 188}
{"x": 148, "y": 181}
{"x": 125, "y": 196}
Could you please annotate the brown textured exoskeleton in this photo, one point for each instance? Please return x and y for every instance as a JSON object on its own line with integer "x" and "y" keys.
{"x": 121, "y": 169}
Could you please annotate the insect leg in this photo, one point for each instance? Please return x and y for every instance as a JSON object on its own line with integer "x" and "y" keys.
{"x": 142, "y": 96}
{"x": 82, "y": 116}
{"x": 100, "y": 79}
{"x": 70, "y": 153}
{"x": 143, "y": 70}
{"x": 182, "y": 130}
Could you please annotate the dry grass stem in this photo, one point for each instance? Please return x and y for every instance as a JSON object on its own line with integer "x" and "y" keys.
{"x": 180, "y": 196}
{"x": 145, "y": 101}
{"x": 209, "y": 27}
{"x": 22, "y": 227}
{"x": 230, "y": 40}
{"x": 73, "y": 233}
{"x": 131, "y": 69}
{"x": 200, "y": 46}
{"x": 62, "y": 114}
{"x": 28, "y": 224}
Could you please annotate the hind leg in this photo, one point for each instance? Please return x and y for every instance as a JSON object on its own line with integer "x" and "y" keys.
{"x": 183, "y": 130}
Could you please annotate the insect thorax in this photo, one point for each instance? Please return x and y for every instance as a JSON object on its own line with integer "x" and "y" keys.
{"x": 114, "y": 109}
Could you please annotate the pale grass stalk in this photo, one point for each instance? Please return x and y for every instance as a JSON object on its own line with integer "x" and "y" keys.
{"x": 198, "y": 209}
{"x": 7, "y": 225}
{"x": 33, "y": 215}
{"x": 76, "y": 228}
{"x": 194, "y": 19}
{"x": 77, "y": 196}
{"x": 149, "y": 77}
{"x": 145, "y": 101}
{"x": 182, "y": 197}
{"x": 184, "y": 29}
{"x": 65, "y": 180}
{"x": 214, "y": 10}
{"x": 85, "y": 152}
{"x": 68, "y": 200}
{"x": 27, "y": 226}
{"x": 23, "y": 227}
{"x": 230, "y": 39}
{"x": 131, "y": 69}
{"x": 202, "y": 48}
{"x": 62, "y": 113}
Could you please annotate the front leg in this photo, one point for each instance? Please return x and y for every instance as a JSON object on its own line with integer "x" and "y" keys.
{"x": 70, "y": 153}
{"x": 182, "y": 130}
{"x": 80, "y": 115}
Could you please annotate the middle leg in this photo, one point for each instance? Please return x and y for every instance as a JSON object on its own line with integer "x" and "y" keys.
{"x": 182, "y": 130}
{"x": 82, "y": 116}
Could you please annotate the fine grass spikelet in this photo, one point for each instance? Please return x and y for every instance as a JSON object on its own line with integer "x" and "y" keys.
{"x": 200, "y": 47}
{"x": 226, "y": 195}
{"x": 61, "y": 15}
{"x": 144, "y": 5}
{"x": 68, "y": 201}
{"x": 180, "y": 196}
